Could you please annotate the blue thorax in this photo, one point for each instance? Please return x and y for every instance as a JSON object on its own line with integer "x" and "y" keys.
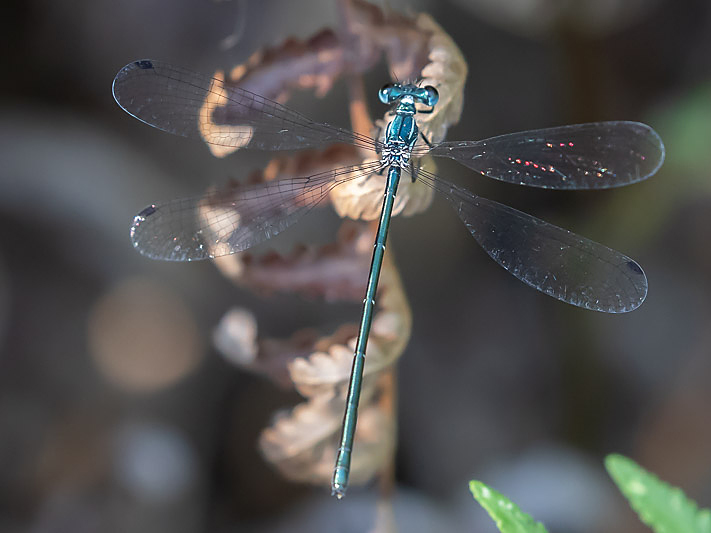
{"x": 402, "y": 131}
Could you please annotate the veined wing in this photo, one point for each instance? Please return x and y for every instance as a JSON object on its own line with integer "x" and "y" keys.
{"x": 553, "y": 260}
{"x": 185, "y": 103}
{"x": 233, "y": 219}
{"x": 598, "y": 155}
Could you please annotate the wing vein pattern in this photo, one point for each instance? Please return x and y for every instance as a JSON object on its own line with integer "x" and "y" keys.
{"x": 234, "y": 218}
{"x": 553, "y": 260}
{"x": 182, "y": 102}
{"x": 597, "y": 155}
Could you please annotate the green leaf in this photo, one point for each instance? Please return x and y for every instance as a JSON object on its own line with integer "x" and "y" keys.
{"x": 662, "y": 507}
{"x": 508, "y": 517}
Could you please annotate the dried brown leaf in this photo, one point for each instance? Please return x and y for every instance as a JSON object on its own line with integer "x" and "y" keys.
{"x": 321, "y": 366}
{"x": 236, "y": 338}
{"x": 447, "y": 71}
{"x": 415, "y": 48}
{"x": 301, "y": 444}
{"x": 334, "y": 272}
{"x": 330, "y": 369}
{"x": 404, "y": 44}
{"x": 318, "y": 366}
{"x": 362, "y": 198}
{"x": 316, "y": 63}
{"x": 312, "y": 64}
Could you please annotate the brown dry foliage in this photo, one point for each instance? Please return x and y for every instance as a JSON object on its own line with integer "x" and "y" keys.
{"x": 302, "y": 443}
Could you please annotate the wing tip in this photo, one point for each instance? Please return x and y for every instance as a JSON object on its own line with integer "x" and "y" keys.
{"x": 150, "y": 241}
{"x": 633, "y": 272}
{"x": 640, "y": 284}
{"x": 655, "y": 140}
{"x": 137, "y": 235}
{"x": 659, "y": 144}
{"x": 140, "y": 64}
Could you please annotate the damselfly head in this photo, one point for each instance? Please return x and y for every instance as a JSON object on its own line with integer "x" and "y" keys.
{"x": 392, "y": 92}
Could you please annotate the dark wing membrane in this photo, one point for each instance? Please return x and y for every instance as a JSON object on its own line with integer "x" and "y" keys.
{"x": 233, "y": 219}
{"x": 598, "y": 155}
{"x": 555, "y": 261}
{"x": 182, "y": 102}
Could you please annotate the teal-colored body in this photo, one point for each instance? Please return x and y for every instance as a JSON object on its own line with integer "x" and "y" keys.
{"x": 400, "y": 138}
{"x": 556, "y": 262}
{"x": 340, "y": 475}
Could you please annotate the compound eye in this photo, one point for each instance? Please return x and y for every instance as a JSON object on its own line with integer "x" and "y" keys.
{"x": 386, "y": 93}
{"x": 432, "y": 95}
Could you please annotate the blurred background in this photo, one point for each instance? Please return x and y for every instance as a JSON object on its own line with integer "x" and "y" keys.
{"x": 118, "y": 414}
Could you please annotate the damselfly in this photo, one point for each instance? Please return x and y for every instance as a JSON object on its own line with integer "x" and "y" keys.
{"x": 553, "y": 260}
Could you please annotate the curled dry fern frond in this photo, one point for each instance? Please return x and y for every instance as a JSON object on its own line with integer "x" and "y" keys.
{"x": 302, "y": 443}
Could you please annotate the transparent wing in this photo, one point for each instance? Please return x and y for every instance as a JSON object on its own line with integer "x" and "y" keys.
{"x": 185, "y": 103}
{"x": 555, "y": 261}
{"x": 233, "y": 219}
{"x": 583, "y": 156}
